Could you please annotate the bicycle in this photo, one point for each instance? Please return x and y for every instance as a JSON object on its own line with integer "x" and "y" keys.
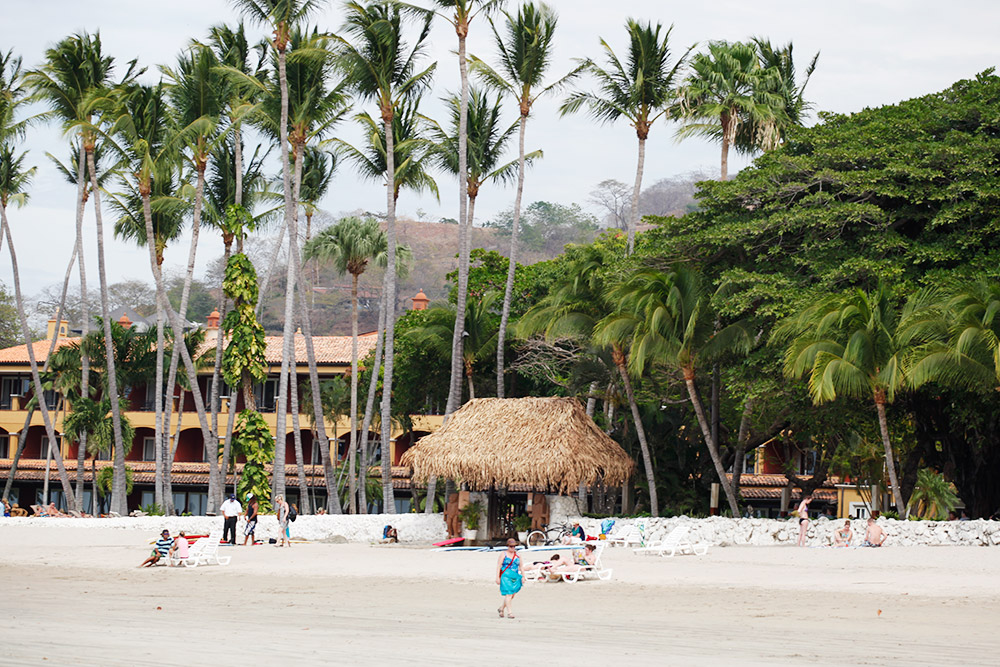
{"x": 549, "y": 535}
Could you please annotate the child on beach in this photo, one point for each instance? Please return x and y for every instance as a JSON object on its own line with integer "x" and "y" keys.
{"x": 180, "y": 548}
{"x": 874, "y": 536}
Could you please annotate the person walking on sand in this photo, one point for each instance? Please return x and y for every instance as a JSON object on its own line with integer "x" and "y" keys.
{"x": 281, "y": 507}
{"x": 251, "y": 514}
{"x": 803, "y": 512}
{"x": 509, "y": 577}
{"x": 231, "y": 510}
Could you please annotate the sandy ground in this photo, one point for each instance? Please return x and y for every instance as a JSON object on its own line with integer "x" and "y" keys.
{"x": 74, "y": 596}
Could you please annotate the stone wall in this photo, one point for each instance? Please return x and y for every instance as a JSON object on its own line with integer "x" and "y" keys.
{"x": 419, "y": 528}
{"x": 720, "y": 531}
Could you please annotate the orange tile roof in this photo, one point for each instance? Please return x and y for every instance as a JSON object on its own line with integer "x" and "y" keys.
{"x": 19, "y": 353}
{"x": 329, "y": 349}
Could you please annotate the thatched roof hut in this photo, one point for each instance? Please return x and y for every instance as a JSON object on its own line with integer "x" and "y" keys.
{"x": 499, "y": 442}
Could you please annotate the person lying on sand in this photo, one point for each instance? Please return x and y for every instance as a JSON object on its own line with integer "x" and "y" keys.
{"x": 843, "y": 536}
{"x": 874, "y": 536}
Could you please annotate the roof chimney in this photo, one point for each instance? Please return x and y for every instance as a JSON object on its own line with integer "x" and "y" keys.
{"x": 420, "y": 301}
{"x": 125, "y": 321}
{"x": 60, "y": 331}
{"x": 213, "y": 320}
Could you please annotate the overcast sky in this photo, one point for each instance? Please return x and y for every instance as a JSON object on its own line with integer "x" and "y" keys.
{"x": 873, "y": 52}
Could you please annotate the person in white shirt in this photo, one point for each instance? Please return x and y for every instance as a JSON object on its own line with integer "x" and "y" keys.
{"x": 231, "y": 510}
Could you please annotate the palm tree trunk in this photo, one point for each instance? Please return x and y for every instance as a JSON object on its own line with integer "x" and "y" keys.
{"x": 633, "y": 218}
{"x": 388, "y": 493}
{"x": 332, "y": 500}
{"x": 890, "y": 463}
{"x": 35, "y": 377}
{"x": 160, "y": 451}
{"x": 727, "y": 132}
{"x": 209, "y": 441}
{"x": 217, "y": 372}
{"x": 508, "y": 291}
{"x": 264, "y": 286}
{"x": 81, "y": 202}
{"x": 119, "y": 501}
{"x": 468, "y": 375}
{"x": 278, "y": 481}
{"x": 457, "y": 340}
{"x": 713, "y": 448}
{"x": 238, "y": 160}
{"x": 352, "y": 505}
{"x": 640, "y": 431}
{"x": 297, "y": 441}
{"x": 743, "y": 436}
{"x": 390, "y": 284}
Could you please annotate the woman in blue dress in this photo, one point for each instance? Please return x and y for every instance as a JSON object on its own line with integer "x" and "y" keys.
{"x": 509, "y": 577}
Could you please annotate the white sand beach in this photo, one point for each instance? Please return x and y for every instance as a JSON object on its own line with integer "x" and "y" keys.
{"x": 74, "y": 596}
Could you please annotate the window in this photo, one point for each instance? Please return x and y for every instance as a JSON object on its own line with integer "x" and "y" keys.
{"x": 4, "y": 447}
{"x": 148, "y": 449}
{"x": 808, "y": 462}
{"x": 44, "y": 452}
{"x": 51, "y": 399}
{"x": 266, "y": 394}
{"x": 750, "y": 462}
{"x": 223, "y": 388}
{"x": 10, "y": 387}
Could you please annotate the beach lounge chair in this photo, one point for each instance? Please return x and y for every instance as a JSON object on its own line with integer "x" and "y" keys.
{"x": 676, "y": 542}
{"x": 595, "y": 571}
{"x": 206, "y": 551}
{"x": 627, "y": 535}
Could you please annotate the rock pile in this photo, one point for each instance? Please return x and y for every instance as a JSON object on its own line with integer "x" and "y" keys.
{"x": 722, "y": 531}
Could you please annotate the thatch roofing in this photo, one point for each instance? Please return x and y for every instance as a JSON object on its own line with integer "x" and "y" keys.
{"x": 499, "y": 442}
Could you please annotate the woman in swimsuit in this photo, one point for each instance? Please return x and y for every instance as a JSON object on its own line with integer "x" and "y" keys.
{"x": 803, "y": 513}
{"x": 509, "y": 577}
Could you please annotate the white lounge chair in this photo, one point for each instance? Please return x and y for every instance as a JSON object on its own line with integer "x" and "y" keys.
{"x": 627, "y": 535}
{"x": 676, "y": 542}
{"x": 595, "y": 571}
{"x": 206, "y": 552}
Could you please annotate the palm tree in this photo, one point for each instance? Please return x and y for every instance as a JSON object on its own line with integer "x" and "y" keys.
{"x": 850, "y": 344}
{"x": 781, "y": 63}
{"x": 15, "y": 178}
{"x": 728, "y": 88}
{"x": 479, "y": 331}
{"x": 75, "y": 81}
{"x": 641, "y": 90}
{"x": 284, "y": 16}
{"x": 465, "y": 11}
{"x": 380, "y": 66}
{"x": 486, "y": 143}
{"x": 151, "y": 209}
{"x": 350, "y": 245}
{"x": 524, "y": 54}
{"x": 665, "y": 317}
{"x": 409, "y": 144}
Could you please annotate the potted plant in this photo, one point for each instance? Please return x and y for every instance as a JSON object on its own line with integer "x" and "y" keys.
{"x": 522, "y": 524}
{"x": 470, "y": 519}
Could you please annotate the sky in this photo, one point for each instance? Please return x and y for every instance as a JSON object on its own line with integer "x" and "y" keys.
{"x": 872, "y": 53}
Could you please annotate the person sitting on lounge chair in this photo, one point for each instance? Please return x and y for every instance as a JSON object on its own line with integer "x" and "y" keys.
{"x": 577, "y": 534}
{"x": 586, "y": 559}
{"x": 6, "y": 507}
{"x": 542, "y": 565}
{"x": 38, "y": 510}
{"x": 17, "y": 510}
{"x": 52, "y": 510}
{"x": 160, "y": 550}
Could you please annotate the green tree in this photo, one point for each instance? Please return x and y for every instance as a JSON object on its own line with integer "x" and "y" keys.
{"x": 729, "y": 89}
{"x": 524, "y": 52}
{"x": 349, "y": 246}
{"x": 381, "y": 67}
{"x": 641, "y": 90}
{"x": 849, "y": 344}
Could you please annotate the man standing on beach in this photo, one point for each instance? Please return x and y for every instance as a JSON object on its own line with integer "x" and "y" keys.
{"x": 231, "y": 510}
{"x": 252, "y": 506}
